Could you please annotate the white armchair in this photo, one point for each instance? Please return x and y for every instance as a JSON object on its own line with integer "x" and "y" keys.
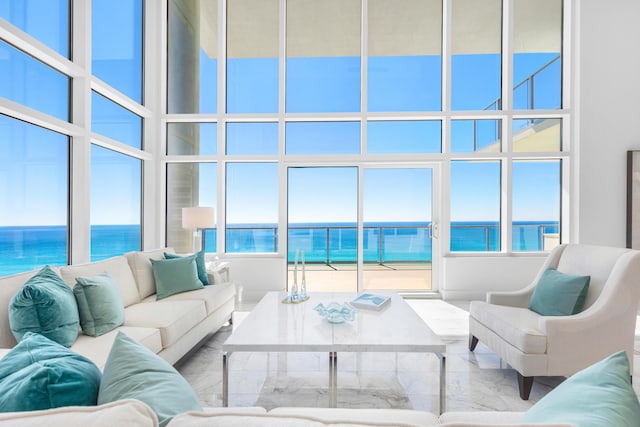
{"x": 536, "y": 345}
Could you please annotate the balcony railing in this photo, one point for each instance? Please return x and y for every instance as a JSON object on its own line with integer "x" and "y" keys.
{"x": 334, "y": 244}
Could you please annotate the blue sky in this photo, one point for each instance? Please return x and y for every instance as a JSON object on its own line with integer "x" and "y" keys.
{"x": 313, "y": 85}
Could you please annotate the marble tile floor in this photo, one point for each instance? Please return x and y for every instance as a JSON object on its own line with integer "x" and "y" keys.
{"x": 475, "y": 381}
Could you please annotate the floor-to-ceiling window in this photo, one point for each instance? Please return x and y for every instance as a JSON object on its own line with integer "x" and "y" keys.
{"x": 72, "y": 118}
{"x": 447, "y": 114}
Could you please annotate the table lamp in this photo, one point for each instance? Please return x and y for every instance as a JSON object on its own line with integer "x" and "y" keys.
{"x": 196, "y": 218}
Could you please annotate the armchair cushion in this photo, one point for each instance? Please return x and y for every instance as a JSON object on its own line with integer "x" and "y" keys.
{"x": 600, "y": 395}
{"x": 559, "y": 294}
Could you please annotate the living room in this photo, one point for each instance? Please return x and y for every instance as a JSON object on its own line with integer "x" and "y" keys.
{"x": 117, "y": 118}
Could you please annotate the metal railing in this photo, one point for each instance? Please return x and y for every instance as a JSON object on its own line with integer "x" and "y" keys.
{"x": 529, "y": 84}
{"x": 335, "y": 244}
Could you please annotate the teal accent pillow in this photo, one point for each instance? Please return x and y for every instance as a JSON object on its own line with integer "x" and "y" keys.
{"x": 600, "y": 395}
{"x": 559, "y": 294}
{"x": 174, "y": 276}
{"x": 99, "y": 304}
{"x": 133, "y": 371}
{"x": 200, "y": 264}
{"x": 45, "y": 305}
{"x": 41, "y": 374}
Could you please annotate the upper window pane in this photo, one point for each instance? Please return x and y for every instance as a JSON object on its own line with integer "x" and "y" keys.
{"x": 468, "y": 136}
{"x": 323, "y": 138}
{"x": 252, "y": 207}
{"x": 116, "y": 45}
{"x": 537, "y": 60}
{"x": 192, "y": 70}
{"x": 323, "y": 56}
{"x": 192, "y": 138}
{"x": 115, "y": 122}
{"x": 189, "y": 184}
{"x": 536, "y": 205}
{"x": 34, "y": 195}
{"x": 24, "y": 80}
{"x": 475, "y": 205}
{"x": 252, "y": 56}
{"x": 476, "y": 59}
{"x": 536, "y": 135}
{"x": 404, "y": 69}
{"x": 404, "y": 136}
{"x": 47, "y": 21}
{"x": 252, "y": 138}
{"x": 116, "y": 203}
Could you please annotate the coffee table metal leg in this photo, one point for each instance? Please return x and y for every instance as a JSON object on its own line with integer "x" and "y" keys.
{"x": 225, "y": 378}
{"x": 333, "y": 379}
{"x": 443, "y": 382}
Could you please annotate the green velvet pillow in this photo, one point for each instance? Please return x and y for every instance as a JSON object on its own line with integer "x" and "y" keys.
{"x": 200, "y": 264}
{"x": 174, "y": 276}
{"x": 559, "y": 294}
{"x": 134, "y": 372}
{"x": 600, "y": 395}
{"x": 99, "y": 304}
{"x": 45, "y": 305}
{"x": 41, "y": 374}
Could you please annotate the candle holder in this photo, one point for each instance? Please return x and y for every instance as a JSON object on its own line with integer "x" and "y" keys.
{"x": 297, "y": 295}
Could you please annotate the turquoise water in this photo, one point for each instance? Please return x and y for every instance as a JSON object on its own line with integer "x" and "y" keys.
{"x": 27, "y": 248}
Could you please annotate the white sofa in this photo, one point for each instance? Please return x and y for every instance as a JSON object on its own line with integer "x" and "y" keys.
{"x": 170, "y": 327}
{"x": 136, "y": 413}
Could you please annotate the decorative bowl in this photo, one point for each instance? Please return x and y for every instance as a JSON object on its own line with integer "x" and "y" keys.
{"x": 335, "y": 312}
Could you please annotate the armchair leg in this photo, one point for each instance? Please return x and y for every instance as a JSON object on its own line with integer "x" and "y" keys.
{"x": 473, "y": 342}
{"x": 524, "y": 386}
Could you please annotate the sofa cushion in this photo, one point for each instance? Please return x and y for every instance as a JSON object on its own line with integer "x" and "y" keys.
{"x": 39, "y": 373}
{"x": 200, "y": 264}
{"x": 46, "y": 305}
{"x": 99, "y": 304}
{"x": 97, "y": 349}
{"x": 117, "y": 267}
{"x": 600, "y": 395}
{"x": 176, "y": 275}
{"x": 335, "y": 415}
{"x": 128, "y": 412}
{"x": 141, "y": 267}
{"x": 9, "y": 285}
{"x": 559, "y": 294}
{"x": 213, "y": 296}
{"x": 173, "y": 318}
{"x": 134, "y": 372}
{"x": 518, "y": 326}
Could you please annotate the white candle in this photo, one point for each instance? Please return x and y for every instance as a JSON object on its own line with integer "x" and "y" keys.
{"x": 295, "y": 269}
{"x": 303, "y": 266}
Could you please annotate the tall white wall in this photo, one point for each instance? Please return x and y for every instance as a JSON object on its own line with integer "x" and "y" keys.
{"x": 608, "y": 101}
{"x": 606, "y": 107}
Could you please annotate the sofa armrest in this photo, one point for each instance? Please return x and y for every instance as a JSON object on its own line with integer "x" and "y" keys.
{"x": 218, "y": 273}
{"x": 512, "y": 299}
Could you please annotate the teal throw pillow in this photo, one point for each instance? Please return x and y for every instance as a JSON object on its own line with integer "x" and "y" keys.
{"x": 200, "y": 265}
{"x": 174, "y": 276}
{"x": 134, "y": 372}
{"x": 559, "y": 294}
{"x": 99, "y": 304}
{"x": 600, "y": 395}
{"x": 45, "y": 305}
{"x": 41, "y": 374}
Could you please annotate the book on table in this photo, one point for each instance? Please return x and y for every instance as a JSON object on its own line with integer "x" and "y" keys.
{"x": 370, "y": 301}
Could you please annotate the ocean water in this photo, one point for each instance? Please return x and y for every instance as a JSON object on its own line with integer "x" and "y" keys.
{"x": 28, "y": 248}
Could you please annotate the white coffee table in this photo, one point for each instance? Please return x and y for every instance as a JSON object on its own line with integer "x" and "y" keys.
{"x": 274, "y": 326}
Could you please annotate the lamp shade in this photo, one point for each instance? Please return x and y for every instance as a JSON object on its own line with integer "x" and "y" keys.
{"x": 197, "y": 217}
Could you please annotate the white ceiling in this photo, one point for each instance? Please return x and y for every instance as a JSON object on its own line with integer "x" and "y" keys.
{"x": 396, "y": 27}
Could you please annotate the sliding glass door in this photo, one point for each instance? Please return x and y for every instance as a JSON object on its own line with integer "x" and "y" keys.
{"x": 361, "y": 228}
